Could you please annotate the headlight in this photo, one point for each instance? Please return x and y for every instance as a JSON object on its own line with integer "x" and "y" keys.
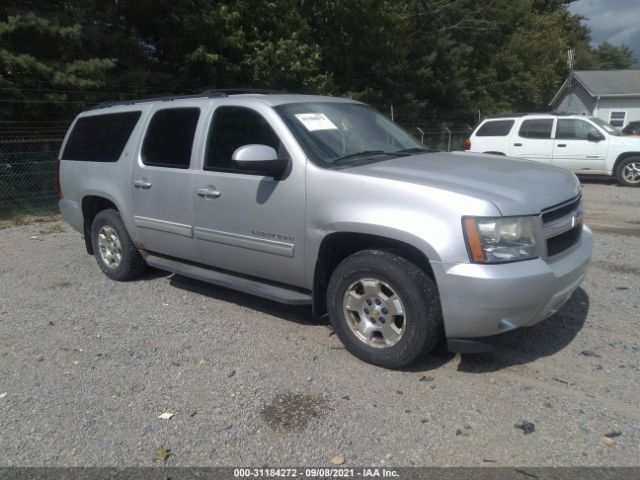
{"x": 499, "y": 239}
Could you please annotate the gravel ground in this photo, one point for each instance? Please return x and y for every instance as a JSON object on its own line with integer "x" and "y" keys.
{"x": 88, "y": 365}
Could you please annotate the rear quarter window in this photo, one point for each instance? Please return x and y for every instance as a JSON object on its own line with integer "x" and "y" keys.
{"x": 100, "y": 138}
{"x": 495, "y": 128}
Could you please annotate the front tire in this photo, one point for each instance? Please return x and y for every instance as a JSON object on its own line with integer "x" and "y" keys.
{"x": 628, "y": 172}
{"x": 384, "y": 309}
{"x": 115, "y": 252}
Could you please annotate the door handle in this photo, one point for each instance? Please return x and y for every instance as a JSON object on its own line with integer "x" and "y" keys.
{"x": 561, "y": 145}
{"x": 208, "y": 193}
{"x": 517, "y": 144}
{"x": 142, "y": 184}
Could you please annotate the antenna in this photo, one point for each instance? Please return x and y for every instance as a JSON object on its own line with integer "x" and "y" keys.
{"x": 570, "y": 58}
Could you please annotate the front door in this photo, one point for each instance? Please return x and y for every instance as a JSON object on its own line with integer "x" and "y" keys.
{"x": 244, "y": 221}
{"x": 573, "y": 150}
{"x": 162, "y": 183}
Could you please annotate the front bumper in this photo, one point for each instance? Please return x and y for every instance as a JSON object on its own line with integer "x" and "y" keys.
{"x": 485, "y": 300}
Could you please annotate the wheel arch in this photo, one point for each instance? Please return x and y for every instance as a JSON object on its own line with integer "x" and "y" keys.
{"x": 337, "y": 246}
{"x": 91, "y": 205}
{"x": 621, "y": 158}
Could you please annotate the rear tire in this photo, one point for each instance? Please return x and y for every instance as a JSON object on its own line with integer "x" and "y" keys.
{"x": 114, "y": 250}
{"x": 628, "y": 172}
{"x": 385, "y": 310}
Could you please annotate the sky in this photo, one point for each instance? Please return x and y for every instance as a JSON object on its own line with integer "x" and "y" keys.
{"x": 616, "y": 21}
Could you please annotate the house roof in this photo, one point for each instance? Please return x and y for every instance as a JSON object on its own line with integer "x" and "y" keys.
{"x": 601, "y": 83}
{"x": 606, "y": 83}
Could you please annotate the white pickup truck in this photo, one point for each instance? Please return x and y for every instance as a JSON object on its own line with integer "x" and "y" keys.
{"x": 584, "y": 145}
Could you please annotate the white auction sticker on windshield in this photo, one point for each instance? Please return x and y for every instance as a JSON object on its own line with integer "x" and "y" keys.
{"x": 316, "y": 121}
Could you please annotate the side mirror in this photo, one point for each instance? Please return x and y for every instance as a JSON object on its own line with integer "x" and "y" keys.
{"x": 594, "y": 136}
{"x": 259, "y": 158}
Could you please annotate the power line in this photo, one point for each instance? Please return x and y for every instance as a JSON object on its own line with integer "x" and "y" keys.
{"x": 45, "y": 101}
{"x": 84, "y": 92}
{"x": 33, "y": 121}
{"x": 149, "y": 87}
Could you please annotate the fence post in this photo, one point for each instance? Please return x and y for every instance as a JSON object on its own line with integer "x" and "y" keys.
{"x": 449, "y": 141}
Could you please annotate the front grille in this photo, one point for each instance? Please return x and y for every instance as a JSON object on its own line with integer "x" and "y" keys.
{"x": 562, "y": 242}
{"x": 562, "y": 225}
{"x": 553, "y": 213}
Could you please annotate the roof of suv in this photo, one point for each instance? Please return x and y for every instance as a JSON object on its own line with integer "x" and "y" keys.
{"x": 270, "y": 97}
{"x": 524, "y": 114}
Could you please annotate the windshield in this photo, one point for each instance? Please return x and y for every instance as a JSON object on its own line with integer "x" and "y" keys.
{"x": 346, "y": 133}
{"x": 607, "y": 127}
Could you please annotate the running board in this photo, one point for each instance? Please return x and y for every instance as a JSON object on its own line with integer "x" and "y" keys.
{"x": 270, "y": 291}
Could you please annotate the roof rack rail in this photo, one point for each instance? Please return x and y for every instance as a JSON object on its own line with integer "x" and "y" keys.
{"x": 224, "y": 92}
{"x": 524, "y": 114}
{"x": 209, "y": 93}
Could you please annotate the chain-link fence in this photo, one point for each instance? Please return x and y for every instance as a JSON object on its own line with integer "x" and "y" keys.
{"x": 445, "y": 140}
{"x": 27, "y": 176}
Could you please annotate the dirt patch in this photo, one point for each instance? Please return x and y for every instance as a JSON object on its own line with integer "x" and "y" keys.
{"x": 21, "y": 220}
{"x": 52, "y": 228}
{"x": 616, "y": 267}
{"x": 292, "y": 411}
{"x": 627, "y": 231}
{"x": 59, "y": 284}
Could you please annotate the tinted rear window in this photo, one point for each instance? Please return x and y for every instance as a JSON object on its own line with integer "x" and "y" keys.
{"x": 169, "y": 138}
{"x": 538, "y": 128}
{"x": 100, "y": 138}
{"x": 495, "y": 128}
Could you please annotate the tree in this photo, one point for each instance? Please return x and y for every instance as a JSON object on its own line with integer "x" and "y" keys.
{"x": 364, "y": 43}
{"x": 54, "y": 61}
{"x": 207, "y": 43}
{"x": 436, "y": 61}
{"x": 610, "y": 57}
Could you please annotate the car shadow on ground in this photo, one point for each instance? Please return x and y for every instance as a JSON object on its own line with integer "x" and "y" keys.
{"x": 610, "y": 181}
{"x": 297, "y": 314}
{"x": 518, "y": 347}
{"x": 151, "y": 274}
{"x": 527, "y": 345}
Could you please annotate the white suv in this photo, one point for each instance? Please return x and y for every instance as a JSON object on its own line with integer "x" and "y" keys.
{"x": 584, "y": 145}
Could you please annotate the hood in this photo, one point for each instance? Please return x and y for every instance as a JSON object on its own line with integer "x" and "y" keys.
{"x": 514, "y": 186}
{"x": 632, "y": 141}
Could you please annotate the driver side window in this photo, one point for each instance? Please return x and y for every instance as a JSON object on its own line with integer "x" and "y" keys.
{"x": 571, "y": 129}
{"x": 234, "y": 127}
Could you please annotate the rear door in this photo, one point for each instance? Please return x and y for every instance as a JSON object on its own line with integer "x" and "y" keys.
{"x": 492, "y": 136}
{"x": 247, "y": 222}
{"x": 572, "y": 148}
{"x": 533, "y": 140}
{"x": 162, "y": 182}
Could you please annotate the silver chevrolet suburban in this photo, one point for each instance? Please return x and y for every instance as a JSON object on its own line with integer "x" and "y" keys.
{"x": 324, "y": 201}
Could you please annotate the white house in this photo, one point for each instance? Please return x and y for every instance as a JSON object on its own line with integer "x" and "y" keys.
{"x": 612, "y": 95}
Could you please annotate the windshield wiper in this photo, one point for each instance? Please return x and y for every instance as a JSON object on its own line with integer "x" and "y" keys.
{"x": 414, "y": 150}
{"x": 368, "y": 153}
{"x": 365, "y": 153}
